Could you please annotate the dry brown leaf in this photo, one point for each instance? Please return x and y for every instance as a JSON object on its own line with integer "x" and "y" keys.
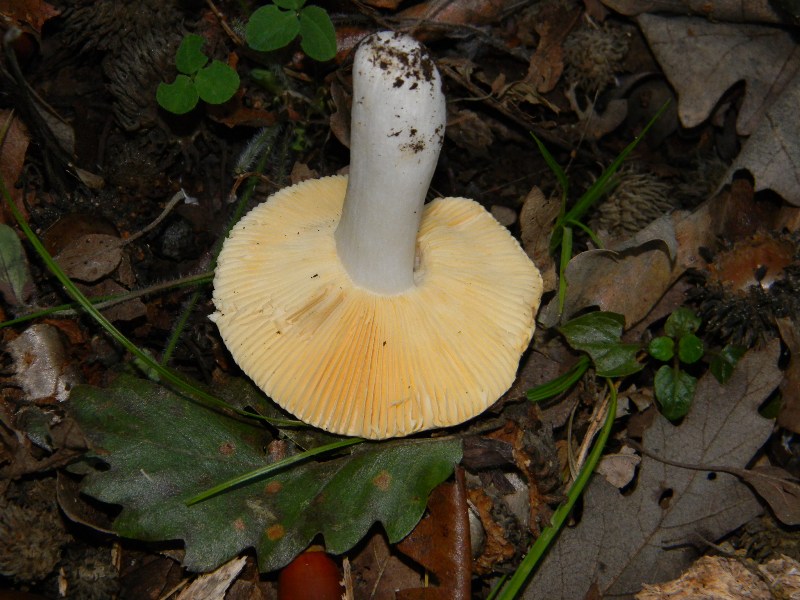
{"x": 703, "y": 59}
{"x": 12, "y": 156}
{"x": 90, "y": 257}
{"x": 456, "y": 12}
{"x": 536, "y": 221}
{"x": 779, "y": 489}
{"x": 31, "y": 12}
{"x": 646, "y": 536}
{"x": 711, "y": 577}
{"x": 605, "y": 278}
{"x": 736, "y": 11}
{"x": 619, "y": 469}
{"x": 380, "y": 572}
{"x": 553, "y": 24}
{"x": 789, "y": 413}
{"x": 772, "y": 152}
{"x": 214, "y": 585}
{"x": 440, "y": 542}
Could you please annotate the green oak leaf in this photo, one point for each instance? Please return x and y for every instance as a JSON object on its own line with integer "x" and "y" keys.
{"x": 162, "y": 449}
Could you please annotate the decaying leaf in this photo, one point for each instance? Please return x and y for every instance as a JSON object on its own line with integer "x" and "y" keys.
{"x": 703, "y": 59}
{"x": 711, "y": 577}
{"x": 736, "y": 11}
{"x": 536, "y": 220}
{"x": 41, "y": 365}
{"x": 605, "y": 278}
{"x": 162, "y": 450}
{"x": 214, "y": 585}
{"x": 789, "y": 413}
{"x": 646, "y": 536}
{"x": 772, "y": 152}
{"x": 440, "y": 542}
{"x": 90, "y": 257}
{"x": 778, "y": 488}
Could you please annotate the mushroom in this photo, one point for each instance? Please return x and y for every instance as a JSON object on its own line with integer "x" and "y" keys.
{"x": 357, "y": 307}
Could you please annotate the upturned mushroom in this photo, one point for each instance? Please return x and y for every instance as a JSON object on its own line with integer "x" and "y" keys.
{"x": 357, "y": 307}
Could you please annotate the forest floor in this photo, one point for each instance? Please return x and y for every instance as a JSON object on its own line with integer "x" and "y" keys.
{"x": 681, "y": 265}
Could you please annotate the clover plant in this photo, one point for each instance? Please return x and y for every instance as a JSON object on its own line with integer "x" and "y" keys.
{"x": 680, "y": 347}
{"x": 197, "y": 79}
{"x": 274, "y": 26}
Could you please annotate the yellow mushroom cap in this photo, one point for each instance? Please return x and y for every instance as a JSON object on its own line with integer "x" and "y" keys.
{"x": 360, "y": 363}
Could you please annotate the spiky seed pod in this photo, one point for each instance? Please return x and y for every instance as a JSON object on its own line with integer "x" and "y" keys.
{"x": 638, "y": 199}
{"x": 747, "y": 287}
{"x": 139, "y": 40}
{"x": 31, "y": 532}
{"x": 593, "y": 55}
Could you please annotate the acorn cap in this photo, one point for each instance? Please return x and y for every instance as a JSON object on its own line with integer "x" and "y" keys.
{"x": 360, "y": 363}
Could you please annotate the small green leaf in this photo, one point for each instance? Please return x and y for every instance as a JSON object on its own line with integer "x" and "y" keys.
{"x": 723, "y": 363}
{"x": 270, "y": 28}
{"x": 598, "y": 334}
{"x": 162, "y": 450}
{"x": 674, "y": 391}
{"x": 178, "y": 97}
{"x": 217, "y": 83}
{"x": 189, "y": 58}
{"x": 682, "y": 322}
{"x": 662, "y": 348}
{"x": 318, "y": 34}
{"x": 289, "y": 4}
{"x": 690, "y": 349}
{"x": 16, "y": 284}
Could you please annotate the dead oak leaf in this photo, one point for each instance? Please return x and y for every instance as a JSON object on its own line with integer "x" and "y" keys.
{"x": 646, "y": 536}
{"x": 772, "y": 152}
{"x": 736, "y": 11}
{"x": 702, "y": 60}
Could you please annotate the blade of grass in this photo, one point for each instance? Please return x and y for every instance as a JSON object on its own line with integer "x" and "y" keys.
{"x": 560, "y": 384}
{"x": 103, "y": 302}
{"x": 271, "y": 468}
{"x": 167, "y": 374}
{"x": 566, "y": 255}
{"x": 548, "y": 535}
{"x": 249, "y": 189}
{"x": 601, "y": 185}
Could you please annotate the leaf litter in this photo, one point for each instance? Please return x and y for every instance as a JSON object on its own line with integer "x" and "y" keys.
{"x": 674, "y": 510}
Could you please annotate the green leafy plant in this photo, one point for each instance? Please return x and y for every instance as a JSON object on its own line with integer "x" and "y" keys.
{"x": 680, "y": 346}
{"x": 274, "y": 26}
{"x": 598, "y": 335}
{"x": 569, "y": 218}
{"x": 198, "y": 79}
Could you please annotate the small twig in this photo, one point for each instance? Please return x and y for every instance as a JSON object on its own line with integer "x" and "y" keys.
{"x": 224, "y": 23}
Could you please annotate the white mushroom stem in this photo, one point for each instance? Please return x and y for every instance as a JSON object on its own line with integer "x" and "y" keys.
{"x": 398, "y": 122}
